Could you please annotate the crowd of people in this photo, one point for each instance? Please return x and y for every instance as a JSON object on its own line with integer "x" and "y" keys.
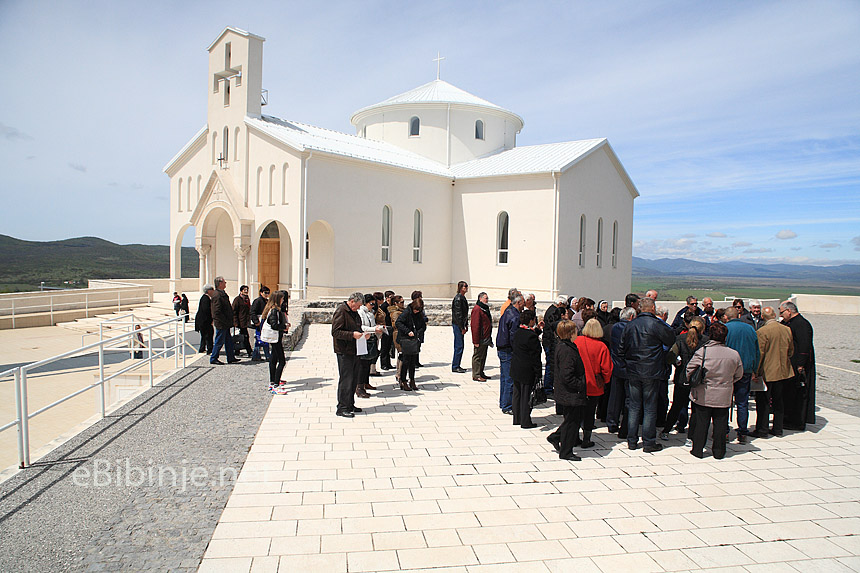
{"x": 595, "y": 363}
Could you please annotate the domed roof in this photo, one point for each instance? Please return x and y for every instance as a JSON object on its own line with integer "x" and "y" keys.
{"x": 437, "y": 91}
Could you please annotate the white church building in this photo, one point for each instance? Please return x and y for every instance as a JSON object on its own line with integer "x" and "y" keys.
{"x": 432, "y": 189}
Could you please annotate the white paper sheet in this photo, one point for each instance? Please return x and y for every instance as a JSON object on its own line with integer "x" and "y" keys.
{"x": 361, "y": 346}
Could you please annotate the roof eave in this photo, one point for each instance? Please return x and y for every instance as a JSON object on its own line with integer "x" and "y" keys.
{"x": 238, "y": 31}
{"x": 186, "y": 151}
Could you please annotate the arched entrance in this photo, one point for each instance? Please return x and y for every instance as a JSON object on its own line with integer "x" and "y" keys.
{"x": 319, "y": 252}
{"x": 274, "y": 257}
{"x": 224, "y": 261}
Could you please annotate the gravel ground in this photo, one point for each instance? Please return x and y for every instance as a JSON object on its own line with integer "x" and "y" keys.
{"x": 838, "y": 378}
{"x": 60, "y": 515}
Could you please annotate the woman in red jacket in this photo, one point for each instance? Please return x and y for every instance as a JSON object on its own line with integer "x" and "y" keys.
{"x": 598, "y": 370}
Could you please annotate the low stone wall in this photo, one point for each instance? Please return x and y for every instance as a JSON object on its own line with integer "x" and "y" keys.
{"x": 827, "y": 304}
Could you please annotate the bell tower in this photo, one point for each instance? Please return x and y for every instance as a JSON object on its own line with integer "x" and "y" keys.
{"x": 235, "y": 77}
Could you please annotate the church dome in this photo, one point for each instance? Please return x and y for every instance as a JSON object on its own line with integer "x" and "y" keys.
{"x": 435, "y": 92}
{"x": 440, "y": 121}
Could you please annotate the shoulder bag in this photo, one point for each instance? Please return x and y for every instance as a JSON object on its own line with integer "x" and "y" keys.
{"x": 267, "y": 333}
{"x": 697, "y": 376}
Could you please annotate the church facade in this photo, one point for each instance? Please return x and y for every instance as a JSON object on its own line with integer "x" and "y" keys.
{"x": 432, "y": 189}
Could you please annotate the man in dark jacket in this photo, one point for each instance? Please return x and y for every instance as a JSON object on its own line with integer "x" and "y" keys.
{"x": 203, "y": 319}
{"x": 643, "y": 345}
{"x": 692, "y": 306}
{"x": 504, "y": 346}
{"x": 242, "y": 318}
{"x": 753, "y": 317}
{"x": 482, "y": 336}
{"x": 222, "y": 315}
{"x": 460, "y": 322}
{"x": 616, "y": 410}
{"x": 551, "y": 318}
{"x": 799, "y": 396}
{"x": 345, "y": 330}
{"x": 256, "y": 311}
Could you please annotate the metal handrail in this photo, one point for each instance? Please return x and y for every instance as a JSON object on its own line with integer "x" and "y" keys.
{"x": 16, "y": 306}
{"x": 22, "y": 413}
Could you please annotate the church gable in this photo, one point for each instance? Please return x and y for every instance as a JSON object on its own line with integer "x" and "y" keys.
{"x": 220, "y": 192}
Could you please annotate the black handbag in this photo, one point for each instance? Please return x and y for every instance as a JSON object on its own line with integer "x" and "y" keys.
{"x": 372, "y": 349}
{"x": 409, "y": 345}
{"x": 538, "y": 393}
{"x": 697, "y": 376}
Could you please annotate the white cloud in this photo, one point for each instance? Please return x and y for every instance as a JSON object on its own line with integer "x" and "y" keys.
{"x": 12, "y": 133}
{"x": 786, "y": 234}
{"x": 691, "y": 235}
{"x": 717, "y": 235}
{"x": 742, "y": 244}
{"x": 829, "y": 245}
{"x": 856, "y": 242}
{"x": 759, "y": 250}
{"x": 78, "y": 167}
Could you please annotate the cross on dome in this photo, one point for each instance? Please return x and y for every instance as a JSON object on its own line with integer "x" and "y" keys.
{"x": 438, "y": 59}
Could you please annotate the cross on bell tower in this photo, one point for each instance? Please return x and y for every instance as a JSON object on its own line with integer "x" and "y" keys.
{"x": 235, "y": 77}
{"x": 438, "y": 59}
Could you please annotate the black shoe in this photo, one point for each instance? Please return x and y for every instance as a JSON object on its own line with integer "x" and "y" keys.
{"x": 632, "y": 446}
{"x": 651, "y": 449}
{"x": 700, "y": 456}
{"x": 508, "y": 412}
{"x": 528, "y": 426}
{"x": 570, "y": 457}
{"x": 216, "y": 362}
{"x": 742, "y": 438}
{"x": 681, "y": 430}
{"x": 234, "y": 361}
{"x": 487, "y": 376}
{"x": 419, "y": 365}
{"x": 586, "y": 445}
{"x": 375, "y": 374}
{"x": 345, "y": 414}
{"x": 613, "y": 429}
{"x": 458, "y": 370}
{"x": 556, "y": 443}
{"x": 202, "y": 352}
{"x": 356, "y": 409}
{"x": 772, "y": 433}
{"x": 760, "y": 434}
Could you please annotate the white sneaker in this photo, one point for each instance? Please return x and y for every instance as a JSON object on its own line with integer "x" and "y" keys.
{"x": 688, "y": 443}
{"x": 281, "y": 390}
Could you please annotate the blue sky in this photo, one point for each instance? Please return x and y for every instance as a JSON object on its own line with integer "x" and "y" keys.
{"x": 739, "y": 122}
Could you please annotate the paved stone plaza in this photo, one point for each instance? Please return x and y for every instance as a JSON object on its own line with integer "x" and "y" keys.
{"x": 440, "y": 480}
{"x": 435, "y": 480}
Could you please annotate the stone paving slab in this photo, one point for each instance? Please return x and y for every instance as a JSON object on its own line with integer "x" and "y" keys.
{"x": 143, "y": 488}
{"x": 440, "y": 480}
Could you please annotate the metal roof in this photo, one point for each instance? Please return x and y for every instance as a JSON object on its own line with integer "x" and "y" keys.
{"x": 529, "y": 159}
{"x": 437, "y": 91}
{"x": 308, "y": 137}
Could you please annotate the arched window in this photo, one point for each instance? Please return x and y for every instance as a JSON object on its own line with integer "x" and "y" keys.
{"x": 236, "y": 145}
{"x": 416, "y": 237}
{"x": 386, "y": 234}
{"x": 259, "y": 184}
{"x": 502, "y": 238}
{"x": 271, "y": 185}
{"x": 414, "y": 127}
{"x": 188, "y": 195}
{"x": 179, "y": 196}
{"x": 614, "y": 244}
{"x": 479, "y": 129}
{"x": 225, "y": 152}
{"x": 284, "y": 184}
{"x": 199, "y": 183}
{"x": 582, "y": 241}
{"x": 599, "y": 242}
{"x": 214, "y": 147}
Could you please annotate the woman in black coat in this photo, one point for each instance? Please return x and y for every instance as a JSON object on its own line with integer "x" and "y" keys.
{"x": 525, "y": 368}
{"x": 409, "y": 326}
{"x": 569, "y": 387}
{"x": 203, "y": 320}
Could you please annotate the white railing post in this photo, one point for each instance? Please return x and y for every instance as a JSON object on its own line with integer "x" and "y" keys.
{"x": 118, "y": 301}
{"x": 13, "y": 313}
{"x": 176, "y": 344}
{"x": 19, "y": 415}
{"x": 25, "y": 419}
{"x": 87, "y": 304}
{"x": 184, "y": 325}
{"x": 102, "y": 376}
{"x": 131, "y": 340}
{"x": 149, "y": 355}
{"x": 52, "y": 310}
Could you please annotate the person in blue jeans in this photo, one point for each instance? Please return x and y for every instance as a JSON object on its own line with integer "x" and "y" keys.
{"x": 508, "y": 325}
{"x": 460, "y": 324}
{"x": 642, "y": 347}
{"x": 742, "y": 338}
{"x": 222, "y": 316}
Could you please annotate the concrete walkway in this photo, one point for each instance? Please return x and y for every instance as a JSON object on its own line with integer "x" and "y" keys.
{"x": 440, "y": 480}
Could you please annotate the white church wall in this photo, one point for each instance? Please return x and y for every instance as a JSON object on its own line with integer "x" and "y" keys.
{"x": 350, "y": 196}
{"x": 594, "y": 188}
{"x": 392, "y": 126}
{"x": 498, "y": 134}
{"x": 528, "y": 200}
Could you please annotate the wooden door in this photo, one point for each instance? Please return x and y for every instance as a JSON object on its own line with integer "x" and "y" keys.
{"x": 269, "y": 263}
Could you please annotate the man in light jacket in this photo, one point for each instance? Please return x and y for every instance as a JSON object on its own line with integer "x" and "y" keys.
{"x": 777, "y": 348}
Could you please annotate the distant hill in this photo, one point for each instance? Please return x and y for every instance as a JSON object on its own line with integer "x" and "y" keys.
{"x": 71, "y": 262}
{"x": 842, "y": 274}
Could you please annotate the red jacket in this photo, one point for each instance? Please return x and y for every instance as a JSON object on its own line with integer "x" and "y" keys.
{"x": 481, "y": 325}
{"x": 596, "y": 359}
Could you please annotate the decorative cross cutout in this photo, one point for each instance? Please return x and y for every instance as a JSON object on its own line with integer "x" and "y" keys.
{"x": 438, "y": 59}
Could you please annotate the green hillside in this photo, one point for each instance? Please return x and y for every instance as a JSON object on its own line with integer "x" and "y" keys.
{"x": 71, "y": 262}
